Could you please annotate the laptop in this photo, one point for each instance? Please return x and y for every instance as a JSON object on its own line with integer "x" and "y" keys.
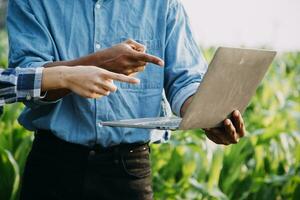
{"x": 229, "y": 83}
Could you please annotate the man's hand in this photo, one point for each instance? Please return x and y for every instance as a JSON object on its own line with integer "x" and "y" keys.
{"x": 127, "y": 58}
{"x": 232, "y": 130}
{"x": 86, "y": 81}
{"x": 230, "y": 133}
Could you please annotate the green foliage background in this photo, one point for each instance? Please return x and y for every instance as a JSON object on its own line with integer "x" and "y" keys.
{"x": 264, "y": 165}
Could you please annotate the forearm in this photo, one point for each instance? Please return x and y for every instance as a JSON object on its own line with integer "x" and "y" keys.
{"x": 54, "y": 79}
{"x": 90, "y": 60}
{"x": 53, "y": 83}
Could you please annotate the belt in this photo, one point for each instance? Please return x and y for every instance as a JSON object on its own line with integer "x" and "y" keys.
{"x": 46, "y": 138}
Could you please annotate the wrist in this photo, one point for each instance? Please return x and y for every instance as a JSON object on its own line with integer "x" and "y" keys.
{"x": 55, "y": 78}
{"x": 98, "y": 59}
{"x": 64, "y": 73}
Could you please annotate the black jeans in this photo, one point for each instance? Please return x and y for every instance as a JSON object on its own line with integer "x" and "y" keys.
{"x": 59, "y": 170}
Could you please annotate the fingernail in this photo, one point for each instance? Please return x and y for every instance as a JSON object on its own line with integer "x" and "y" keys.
{"x": 227, "y": 122}
{"x": 161, "y": 63}
{"x": 236, "y": 113}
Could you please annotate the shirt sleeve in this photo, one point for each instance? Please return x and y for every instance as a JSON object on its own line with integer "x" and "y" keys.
{"x": 184, "y": 63}
{"x": 30, "y": 43}
{"x": 20, "y": 85}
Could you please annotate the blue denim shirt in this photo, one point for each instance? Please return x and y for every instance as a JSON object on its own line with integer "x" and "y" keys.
{"x": 42, "y": 31}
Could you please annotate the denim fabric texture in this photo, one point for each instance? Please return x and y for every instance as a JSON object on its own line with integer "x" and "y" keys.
{"x": 42, "y": 31}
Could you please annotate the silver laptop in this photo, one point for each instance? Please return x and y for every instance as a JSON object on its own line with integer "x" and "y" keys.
{"x": 231, "y": 80}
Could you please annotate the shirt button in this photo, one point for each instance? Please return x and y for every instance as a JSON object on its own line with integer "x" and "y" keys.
{"x": 98, "y": 46}
{"x": 98, "y": 5}
{"x": 28, "y": 97}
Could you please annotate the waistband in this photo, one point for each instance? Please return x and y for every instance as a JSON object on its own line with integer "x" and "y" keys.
{"x": 47, "y": 139}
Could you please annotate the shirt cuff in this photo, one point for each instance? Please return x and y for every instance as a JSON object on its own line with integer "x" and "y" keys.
{"x": 41, "y": 100}
{"x": 183, "y": 94}
{"x": 29, "y": 82}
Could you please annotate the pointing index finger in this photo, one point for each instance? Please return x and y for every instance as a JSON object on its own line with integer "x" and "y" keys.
{"x": 149, "y": 58}
{"x": 121, "y": 77}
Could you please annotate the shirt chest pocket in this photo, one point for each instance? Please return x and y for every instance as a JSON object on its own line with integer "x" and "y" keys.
{"x": 152, "y": 77}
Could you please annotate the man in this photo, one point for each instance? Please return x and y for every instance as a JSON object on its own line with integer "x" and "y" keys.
{"x": 72, "y": 156}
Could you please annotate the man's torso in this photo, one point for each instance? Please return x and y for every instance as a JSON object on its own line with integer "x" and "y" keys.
{"x": 78, "y": 28}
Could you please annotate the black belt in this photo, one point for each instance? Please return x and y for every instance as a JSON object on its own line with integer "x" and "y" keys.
{"x": 47, "y": 139}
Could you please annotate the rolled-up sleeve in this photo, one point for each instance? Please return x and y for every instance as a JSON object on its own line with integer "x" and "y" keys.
{"x": 30, "y": 43}
{"x": 184, "y": 63}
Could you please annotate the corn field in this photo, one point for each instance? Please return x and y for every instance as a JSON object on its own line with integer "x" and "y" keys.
{"x": 264, "y": 165}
